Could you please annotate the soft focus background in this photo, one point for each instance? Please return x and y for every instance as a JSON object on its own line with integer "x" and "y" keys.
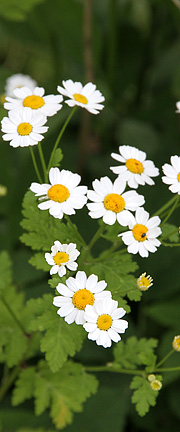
{"x": 131, "y": 50}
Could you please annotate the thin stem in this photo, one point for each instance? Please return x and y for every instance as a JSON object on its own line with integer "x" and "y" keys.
{"x": 14, "y": 316}
{"x": 43, "y": 162}
{"x": 171, "y": 211}
{"x": 60, "y": 136}
{"x": 165, "y": 206}
{"x": 96, "y": 236}
{"x": 35, "y": 164}
{"x": 170, "y": 369}
{"x": 112, "y": 369}
{"x": 165, "y": 358}
{"x": 81, "y": 240}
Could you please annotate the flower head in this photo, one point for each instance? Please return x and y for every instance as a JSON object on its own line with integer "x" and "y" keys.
{"x": 172, "y": 174}
{"x": 34, "y": 99}
{"x": 62, "y": 195}
{"x": 156, "y": 385}
{"x": 78, "y": 292}
{"x": 86, "y": 97}
{"x": 111, "y": 203}
{"x": 144, "y": 282}
{"x": 103, "y": 321}
{"x": 136, "y": 170}
{"x": 176, "y": 343}
{"x": 18, "y": 81}
{"x": 62, "y": 256}
{"x": 23, "y": 128}
{"x": 142, "y": 238}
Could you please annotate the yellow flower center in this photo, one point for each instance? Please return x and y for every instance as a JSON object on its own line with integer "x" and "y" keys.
{"x": 144, "y": 282}
{"x": 83, "y": 297}
{"x": 33, "y": 102}
{"x": 176, "y": 343}
{"x": 114, "y": 202}
{"x": 134, "y": 166}
{"x": 80, "y": 98}
{"x": 178, "y": 177}
{"x": 156, "y": 385}
{"x": 104, "y": 322}
{"x": 58, "y": 193}
{"x": 60, "y": 258}
{"x": 24, "y": 129}
{"x": 139, "y": 232}
{"x": 2, "y": 99}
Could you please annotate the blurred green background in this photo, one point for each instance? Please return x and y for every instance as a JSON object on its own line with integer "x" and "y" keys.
{"x": 131, "y": 50}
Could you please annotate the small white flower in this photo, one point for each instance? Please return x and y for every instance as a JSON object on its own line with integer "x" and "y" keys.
{"x": 34, "y": 99}
{"x": 76, "y": 294}
{"x": 23, "y": 127}
{"x": 111, "y": 203}
{"x": 86, "y": 97}
{"x": 172, "y": 174}
{"x": 62, "y": 195}
{"x": 136, "y": 170}
{"x": 142, "y": 238}
{"x": 104, "y": 323}
{"x": 18, "y": 81}
{"x": 62, "y": 256}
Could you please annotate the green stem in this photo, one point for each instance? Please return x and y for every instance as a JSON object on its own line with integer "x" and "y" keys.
{"x": 35, "y": 164}
{"x": 171, "y": 369}
{"x": 60, "y": 135}
{"x": 165, "y": 358}
{"x": 43, "y": 162}
{"x": 8, "y": 382}
{"x": 14, "y": 317}
{"x": 96, "y": 236}
{"x": 113, "y": 369}
{"x": 169, "y": 234}
{"x": 171, "y": 211}
{"x": 81, "y": 240}
{"x": 165, "y": 207}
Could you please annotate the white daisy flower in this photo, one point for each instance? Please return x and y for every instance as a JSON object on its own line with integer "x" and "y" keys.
{"x": 172, "y": 174}
{"x": 104, "y": 323}
{"x": 18, "y": 81}
{"x": 136, "y": 170}
{"x": 142, "y": 238}
{"x": 62, "y": 195}
{"x": 23, "y": 127}
{"x": 34, "y": 99}
{"x": 62, "y": 256}
{"x": 86, "y": 97}
{"x": 111, "y": 203}
{"x": 78, "y": 292}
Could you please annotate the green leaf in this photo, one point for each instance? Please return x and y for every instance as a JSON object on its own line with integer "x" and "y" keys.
{"x": 59, "y": 339}
{"x": 38, "y": 260}
{"x": 144, "y": 396}
{"x": 5, "y": 271}
{"x": 57, "y": 158}
{"x": 17, "y": 10}
{"x": 135, "y": 352}
{"x": 24, "y": 388}
{"x": 42, "y": 229}
{"x": 171, "y": 232}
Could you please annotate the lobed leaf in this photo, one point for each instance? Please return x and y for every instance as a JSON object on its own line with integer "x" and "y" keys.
{"x": 144, "y": 396}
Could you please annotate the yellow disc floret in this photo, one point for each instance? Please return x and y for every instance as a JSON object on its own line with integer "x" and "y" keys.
{"x": 144, "y": 282}
{"x": 61, "y": 258}
{"x": 82, "y": 298}
{"x": 139, "y": 232}
{"x": 114, "y": 202}
{"x": 134, "y": 166}
{"x": 33, "y": 102}
{"x": 156, "y": 385}
{"x": 176, "y": 343}
{"x": 104, "y": 322}
{"x": 178, "y": 177}
{"x": 24, "y": 129}
{"x": 80, "y": 98}
{"x": 58, "y": 193}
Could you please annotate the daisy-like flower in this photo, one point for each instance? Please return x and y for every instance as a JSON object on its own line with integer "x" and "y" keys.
{"x": 156, "y": 385}
{"x": 176, "y": 343}
{"x": 34, "y": 99}
{"x": 144, "y": 282}
{"x": 62, "y": 195}
{"x": 18, "y": 81}
{"x": 62, "y": 256}
{"x": 142, "y": 238}
{"x": 136, "y": 170}
{"x": 86, "y": 97}
{"x": 79, "y": 292}
{"x": 104, "y": 323}
{"x": 23, "y": 128}
{"x": 172, "y": 174}
{"x": 111, "y": 203}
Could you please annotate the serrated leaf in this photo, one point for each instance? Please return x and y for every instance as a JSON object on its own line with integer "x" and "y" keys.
{"x": 59, "y": 339}
{"x": 144, "y": 396}
{"x": 170, "y": 232}
{"x": 24, "y": 387}
{"x": 5, "y": 271}
{"x": 135, "y": 352}
{"x": 38, "y": 260}
{"x": 57, "y": 158}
